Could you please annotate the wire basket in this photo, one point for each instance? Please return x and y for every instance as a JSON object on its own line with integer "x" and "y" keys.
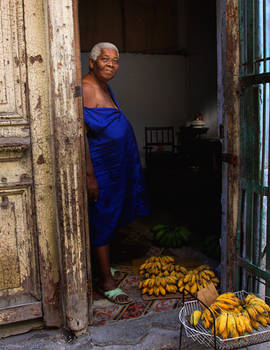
{"x": 204, "y": 336}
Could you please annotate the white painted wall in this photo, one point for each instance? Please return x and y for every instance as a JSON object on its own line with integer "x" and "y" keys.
{"x": 151, "y": 90}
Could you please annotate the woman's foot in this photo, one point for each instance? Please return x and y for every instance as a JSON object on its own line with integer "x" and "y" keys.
{"x": 109, "y": 289}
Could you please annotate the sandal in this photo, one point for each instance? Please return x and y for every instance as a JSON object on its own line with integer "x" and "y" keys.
{"x": 112, "y": 295}
{"x": 114, "y": 272}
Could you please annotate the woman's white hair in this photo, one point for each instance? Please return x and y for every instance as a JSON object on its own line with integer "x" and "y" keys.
{"x": 96, "y": 49}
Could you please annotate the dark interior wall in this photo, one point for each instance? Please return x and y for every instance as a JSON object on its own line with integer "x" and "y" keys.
{"x": 202, "y": 61}
{"x": 141, "y": 26}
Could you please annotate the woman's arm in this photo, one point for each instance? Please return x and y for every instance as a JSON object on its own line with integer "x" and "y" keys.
{"x": 92, "y": 185}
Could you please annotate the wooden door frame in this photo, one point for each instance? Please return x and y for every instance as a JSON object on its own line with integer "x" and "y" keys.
{"x": 228, "y": 52}
{"x": 69, "y": 165}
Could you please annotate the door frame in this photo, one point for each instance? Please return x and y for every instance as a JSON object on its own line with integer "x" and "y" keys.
{"x": 69, "y": 162}
{"x": 228, "y": 53}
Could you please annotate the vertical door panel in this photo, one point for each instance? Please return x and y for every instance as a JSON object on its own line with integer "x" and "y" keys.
{"x": 19, "y": 282}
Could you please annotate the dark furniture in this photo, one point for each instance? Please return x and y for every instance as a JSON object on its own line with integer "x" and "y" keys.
{"x": 159, "y": 146}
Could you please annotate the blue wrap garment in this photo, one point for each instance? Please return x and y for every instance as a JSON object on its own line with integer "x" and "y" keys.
{"x": 117, "y": 167}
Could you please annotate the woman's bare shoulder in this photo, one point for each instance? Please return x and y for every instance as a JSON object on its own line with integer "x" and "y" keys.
{"x": 88, "y": 91}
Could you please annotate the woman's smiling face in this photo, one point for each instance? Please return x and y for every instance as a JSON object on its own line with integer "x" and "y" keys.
{"x": 106, "y": 65}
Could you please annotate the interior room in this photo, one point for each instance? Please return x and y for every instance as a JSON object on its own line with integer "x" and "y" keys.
{"x": 167, "y": 78}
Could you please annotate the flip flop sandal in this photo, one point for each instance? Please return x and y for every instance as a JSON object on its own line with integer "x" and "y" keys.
{"x": 112, "y": 295}
{"x": 114, "y": 272}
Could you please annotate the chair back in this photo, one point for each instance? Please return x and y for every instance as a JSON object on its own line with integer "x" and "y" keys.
{"x": 159, "y": 136}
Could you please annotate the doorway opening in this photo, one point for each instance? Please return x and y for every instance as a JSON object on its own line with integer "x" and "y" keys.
{"x": 167, "y": 77}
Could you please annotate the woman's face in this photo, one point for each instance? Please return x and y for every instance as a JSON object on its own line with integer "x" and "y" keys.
{"x": 106, "y": 65}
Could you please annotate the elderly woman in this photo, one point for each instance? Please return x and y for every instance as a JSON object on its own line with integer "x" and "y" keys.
{"x": 114, "y": 175}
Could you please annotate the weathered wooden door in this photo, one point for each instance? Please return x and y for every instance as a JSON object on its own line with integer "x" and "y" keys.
{"x": 243, "y": 95}
{"x": 28, "y": 245}
{"x": 253, "y": 236}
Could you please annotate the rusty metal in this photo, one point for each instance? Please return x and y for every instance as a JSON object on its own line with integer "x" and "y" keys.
{"x": 78, "y": 91}
{"x": 229, "y": 158}
{"x": 254, "y": 79}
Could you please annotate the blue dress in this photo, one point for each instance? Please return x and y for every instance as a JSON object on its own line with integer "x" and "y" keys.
{"x": 117, "y": 168}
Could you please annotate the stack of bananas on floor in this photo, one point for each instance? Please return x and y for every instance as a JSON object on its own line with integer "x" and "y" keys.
{"x": 161, "y": 276}
{"x": 197, "y": 279}
{"x": 233, "y": 318}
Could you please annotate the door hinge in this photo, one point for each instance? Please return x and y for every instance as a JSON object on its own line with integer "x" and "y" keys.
{"x": 265, "y": 191}
{"x": 229, "y": 158}
{"x": 78, "y": 91}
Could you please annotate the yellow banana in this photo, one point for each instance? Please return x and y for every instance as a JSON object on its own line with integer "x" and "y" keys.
{"x": 206, "y": 323}
{"x": 215, "y": 280}
{"x": 156, "y": 291}
{"x": 168, "y": 288}
{"x": 162, "y": 290}
{"x": 150, "y": 291}
{"x": 145, "y": 282}
{"x": 210, "y": 273}
{"x": 224, "y": 306}
{"x": 222, "y": 322}
{"x": 144, "y": 290}
{"x": 186, "y": 278}
{"x": 246, "y": 320}
{"x": 183, "y": 269}
{"x": 240, "y": 326}
{"x": 258, "y": 308}
{"x": 180, "y": 283}
{"x": 157, "y": 282}
{"x": 252, "y": 312}
{"x": 231, "y": 326}
{"x": 194, "y": 288}
{"x": 205, "y": 276}
{"x": 192, "y": 280}
{"x": 262, "y": 320}
{"x": 254, "y": 324}
{"x": 196, "y": 317}
{"x": 163, "y": 282}
{"x": 224, "y": 334}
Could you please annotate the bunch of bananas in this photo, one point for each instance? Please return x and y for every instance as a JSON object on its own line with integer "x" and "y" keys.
{"x": 172, "y": 237}
{"x": 257, "y": 310}
{"x": 155, "y": 264}
{"x": 197, "y": 279}
{"x": 159, "y": 285}
{"x": 233, "y": 317}
{"x": 162, "y": 271}
{"x": 232, "y": 325}
{"x": 226, "y": 302}
{"x": 160, "y": 275}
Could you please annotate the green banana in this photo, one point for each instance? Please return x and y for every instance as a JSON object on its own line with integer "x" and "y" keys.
{"x": 164, "y": 240}
{"x": 160, "y": 233}
{"x": 183, "y": 232}
{"x": 159, "y": 227}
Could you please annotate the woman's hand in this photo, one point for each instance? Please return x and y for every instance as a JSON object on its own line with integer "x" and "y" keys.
{"x": 92, "y": 187}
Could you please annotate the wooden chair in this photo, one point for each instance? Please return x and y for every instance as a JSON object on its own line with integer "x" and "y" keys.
{"x": 159, "y": 145}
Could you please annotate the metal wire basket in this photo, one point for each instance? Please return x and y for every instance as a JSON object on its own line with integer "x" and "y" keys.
{"x": 204, "y": 336}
